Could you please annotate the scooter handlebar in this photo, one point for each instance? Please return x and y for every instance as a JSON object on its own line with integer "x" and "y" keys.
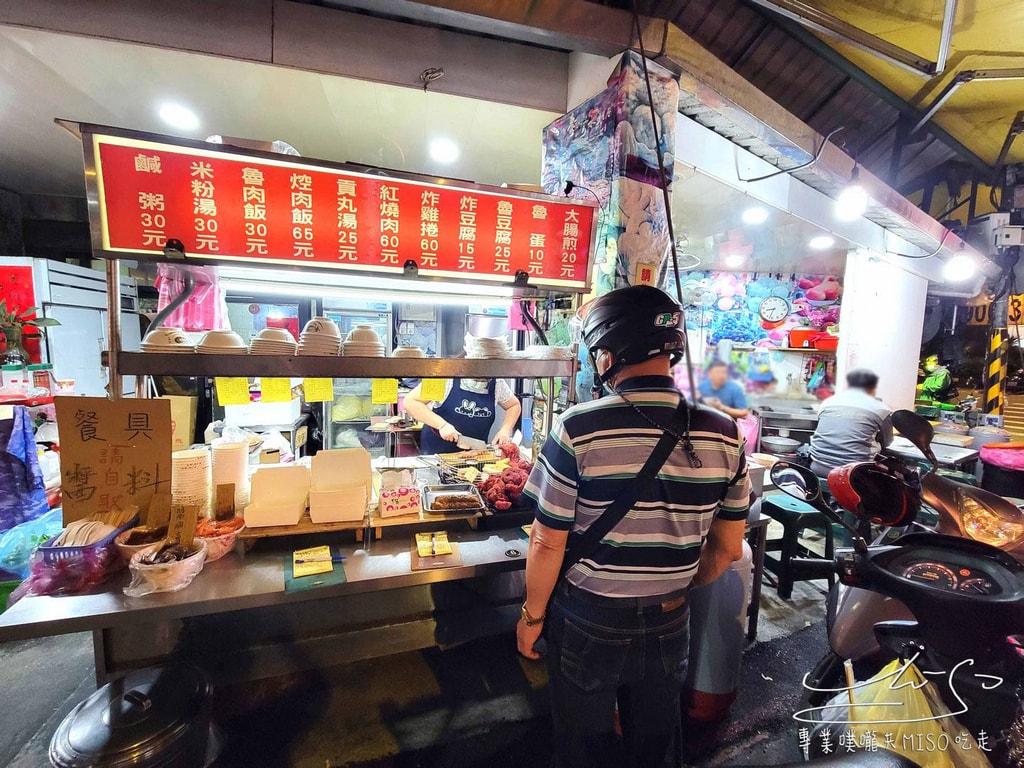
{"x": 813, "y": 562}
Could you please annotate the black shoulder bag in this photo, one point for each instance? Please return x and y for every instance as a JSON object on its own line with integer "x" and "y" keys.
{"x": 583, "y": 544}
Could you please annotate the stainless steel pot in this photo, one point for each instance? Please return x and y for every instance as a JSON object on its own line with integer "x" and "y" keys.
{"x": 155, "y": 718}
{"x": 779, "y": 444}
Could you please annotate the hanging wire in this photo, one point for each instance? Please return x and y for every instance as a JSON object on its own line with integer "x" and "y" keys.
{"x": 808, "y": 164}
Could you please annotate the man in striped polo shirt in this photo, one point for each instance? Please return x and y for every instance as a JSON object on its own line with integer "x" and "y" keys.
{"x": 615, "y": 620}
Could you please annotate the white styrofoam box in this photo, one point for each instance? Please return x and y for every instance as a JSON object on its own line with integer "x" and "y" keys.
{"x": 756, "y": 473}
{"x": 342, "y": 468}
{"x": 279, "y": 494}
{"x": 263, "y": 414}
{"x": 342, "y": 505}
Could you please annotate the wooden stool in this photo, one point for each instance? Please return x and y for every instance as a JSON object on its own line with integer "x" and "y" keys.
{"x": 795, "y": 516}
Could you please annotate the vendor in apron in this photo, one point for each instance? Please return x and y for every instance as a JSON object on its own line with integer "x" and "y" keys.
{"x": 468, "y": 410}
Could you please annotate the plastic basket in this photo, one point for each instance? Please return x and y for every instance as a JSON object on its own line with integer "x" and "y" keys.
{"x": 53, "y": 555}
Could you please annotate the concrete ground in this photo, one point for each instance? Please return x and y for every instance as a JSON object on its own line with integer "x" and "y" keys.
{"x": 473, "y": 706}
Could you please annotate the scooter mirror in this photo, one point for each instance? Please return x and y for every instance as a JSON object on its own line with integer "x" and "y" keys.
{"x": 796, "y": 481}
{"x": 917, "y": 430}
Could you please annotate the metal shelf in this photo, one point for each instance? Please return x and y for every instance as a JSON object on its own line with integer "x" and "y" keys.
{"x": 297, "y": 366}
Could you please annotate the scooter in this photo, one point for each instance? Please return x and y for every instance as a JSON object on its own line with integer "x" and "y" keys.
{"x": 965, "y": 597}
{"x": 963, "y": 510}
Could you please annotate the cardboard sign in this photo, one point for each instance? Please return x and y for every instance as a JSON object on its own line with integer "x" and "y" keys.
{"x": 224, "y": 502}
{"x": 114, "y": 453}
{"x": 318, "y": 390}
{"x": 159, "y": 512}
{"x": 183, "y": 420}
{"x": 384, "y": 391}
{"x": 232, "y": 390}
{"x": 275, "y": 390}
{"x": 432, "y": 390}
{"x": 182, "y": 527}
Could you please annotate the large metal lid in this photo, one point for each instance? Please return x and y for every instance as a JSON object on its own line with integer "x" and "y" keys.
{"x": 156, "y": 718}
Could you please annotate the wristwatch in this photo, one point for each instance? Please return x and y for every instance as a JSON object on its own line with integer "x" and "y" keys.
{"x": 528, "y": 619}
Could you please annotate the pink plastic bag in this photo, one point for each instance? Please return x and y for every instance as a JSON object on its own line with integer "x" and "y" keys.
{"x": 748, "y": 429}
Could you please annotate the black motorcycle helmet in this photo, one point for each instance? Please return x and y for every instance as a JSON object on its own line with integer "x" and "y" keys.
{"x": 634, "y": 324}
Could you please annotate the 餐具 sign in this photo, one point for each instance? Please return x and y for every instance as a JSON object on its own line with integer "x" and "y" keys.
{"x": 229, "y": 204}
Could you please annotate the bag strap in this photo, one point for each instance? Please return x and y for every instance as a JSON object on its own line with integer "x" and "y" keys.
{"x": 583, "y": 544}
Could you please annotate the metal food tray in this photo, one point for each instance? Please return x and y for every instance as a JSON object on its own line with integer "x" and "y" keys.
{"x": 430, "y": 493}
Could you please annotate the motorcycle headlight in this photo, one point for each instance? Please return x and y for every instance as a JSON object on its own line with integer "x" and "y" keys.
{"x": 984, "y": 524}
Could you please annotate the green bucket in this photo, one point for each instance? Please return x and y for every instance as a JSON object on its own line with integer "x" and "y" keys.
{"x": 6, "y": 587}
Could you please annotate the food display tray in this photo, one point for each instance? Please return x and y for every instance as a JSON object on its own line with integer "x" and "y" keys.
{"x": 430, "y": 493}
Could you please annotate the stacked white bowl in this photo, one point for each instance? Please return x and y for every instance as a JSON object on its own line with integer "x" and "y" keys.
{"x": 190, "y": 479}
{"x": 321, "y": 337}
{"x": 273, "y": 341}
{"x": 484, "y": 348}
{"x": 416, "y": 352}
{"x": 222, "y": 343}
{"x": 231, "y": 465}
{"x": 363, "y": 341}
{"x": 168, "y": 341}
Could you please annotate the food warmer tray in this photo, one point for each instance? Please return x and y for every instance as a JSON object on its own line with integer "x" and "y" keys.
{"x": 430, "y": 494}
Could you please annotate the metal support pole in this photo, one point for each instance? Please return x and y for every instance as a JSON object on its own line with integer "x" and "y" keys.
{"x": 995, "y": 359}
{"x": 549, "y": 410}
{"x": 948, "y": 19}
{"x": 113, "y": 272}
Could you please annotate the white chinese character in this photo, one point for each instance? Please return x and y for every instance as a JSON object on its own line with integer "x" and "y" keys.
{"x": 467, "y": 203}
{"x": 430, "y": 199}
{"x": 202, "y": 188}
{"x": 504, "y": 208}
{"x": 826, "y": 741}
{"x": 302, "y": 200}
{"x": 346, "y": 205}
{"x": 204, "y": 206}
{"x": 571, "y": 229}
{"x": 347, "y": 187}
{"x": 430, "y": 214}
{"x": 869, "y": 741}
{"x": 151, "y": 201}
{"x": 388, "y": 193}
{"x": 535, "y": 268}
{"x": 568, "y": 271}
{"x": 428, "y": 229}
{"x": 346, "y": 253}
{"x": 347, "y": 221}
{"x": 207, "y": 243}
{"x": 467, "y": 262}
{"x": 849, "y": 740}
{"x": 258, "y": 247}
{"x": 305, "y": 250}
{"x": 982, "y": 740}
{"x": 389, "y": 257}
{"x": 252, "y": 176}
{"x": 148, "y": 163}
{"x": 501, "y": 265}
{"x": 890, "y": 742}
{"x": 467, "y": 218}
{"x": 504, "y": 222}
{"x": 201, "y": 170}
{"x": 537, "y": 240}
{"x": 540, "y": 212}
{"x": 153, "y": 237}
{"x": 254, "y": 195}
{"x": 255, "y": 212}
{"x": 569, "y": 243}
{"x": 429, "y": 259}
{"x": 467, "y": 233}
{"x": 572, "y": 215}
{"x": 302, "y": 216}
{"x": 389, "y": 209}
{"x": 389, "y": 225}
{"x": 503, "y": 237}
{"x": 302, "y": 181}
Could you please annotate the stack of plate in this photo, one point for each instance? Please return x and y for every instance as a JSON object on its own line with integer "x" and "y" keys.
{"x": 416, "y": 352}
{"x": 363, "y": 341}
{"x": 321, "y": 338}
{"x": 231, "y": 465}
{"x": 484, "y": 348}
{"x": 168, "y": 341}
{"x": 273, "y": 341}
{"x": 190, "y": 479}
{"x": 222, "y": 343}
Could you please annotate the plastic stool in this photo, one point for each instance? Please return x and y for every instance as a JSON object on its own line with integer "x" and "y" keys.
{"x": 796, "y": 516}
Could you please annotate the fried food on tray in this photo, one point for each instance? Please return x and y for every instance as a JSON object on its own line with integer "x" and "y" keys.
{"x": 456, "y": 501}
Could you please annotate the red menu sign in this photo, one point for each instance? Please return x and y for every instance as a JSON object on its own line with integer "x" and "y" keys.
{"x": 224, "y": 205}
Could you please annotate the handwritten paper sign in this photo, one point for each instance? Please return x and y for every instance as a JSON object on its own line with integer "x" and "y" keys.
{"x": 182, "y": 527}
{"x": 275, "y": 390}
{"x": 433, "y": 390}
{"x": 318, "y": 390}
{"x": 384, "y": 391}
{"x": 114, "y": 453}
{"x": 232, "y": 390}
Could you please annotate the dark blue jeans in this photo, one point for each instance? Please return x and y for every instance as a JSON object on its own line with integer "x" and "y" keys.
{"x": 600, "y": 656}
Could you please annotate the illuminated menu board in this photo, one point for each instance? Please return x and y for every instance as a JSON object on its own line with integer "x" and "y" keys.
{"x": 234, "y": 205}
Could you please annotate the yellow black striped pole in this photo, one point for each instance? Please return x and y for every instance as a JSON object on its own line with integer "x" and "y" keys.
{"x": 995, "y": 371}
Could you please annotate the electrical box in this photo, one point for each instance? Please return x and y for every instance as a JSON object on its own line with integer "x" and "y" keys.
{"x": 1009, "y": 236}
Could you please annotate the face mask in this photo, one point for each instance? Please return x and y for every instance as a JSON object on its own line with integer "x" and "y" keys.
{"x": 931, "y": 367}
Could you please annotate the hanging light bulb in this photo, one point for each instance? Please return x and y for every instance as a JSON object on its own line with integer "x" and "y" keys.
{"x": 853, "y": 200}
{"x": 959, "y": 268}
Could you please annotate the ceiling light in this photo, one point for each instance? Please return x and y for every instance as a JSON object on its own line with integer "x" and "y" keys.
{"x": 733, "y": 260}
{"x": 853, "y": 200}
{"x": 444, "y": 150}
{"x": 179, "y": 117}
{"x": 822, "y": 242}
{"x": 755, "y": 215}
{"x": 959, "y": 268}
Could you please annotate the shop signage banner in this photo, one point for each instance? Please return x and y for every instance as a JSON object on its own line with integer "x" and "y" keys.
{"x": 228, "y": 204}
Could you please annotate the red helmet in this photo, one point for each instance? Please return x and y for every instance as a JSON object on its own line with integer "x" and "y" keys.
{"x": 874, "y": 491}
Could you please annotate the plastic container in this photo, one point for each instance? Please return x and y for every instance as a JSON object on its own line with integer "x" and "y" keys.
{"x": 1003, "y": 481}
{"x": 218, "y": 546}
{"x": 52, "y": 555}
{"x": 803, "y": 337}
{"x": 41, "y": 379}
{"x": 826, "y": 341}
{"x": 165, "y": 577}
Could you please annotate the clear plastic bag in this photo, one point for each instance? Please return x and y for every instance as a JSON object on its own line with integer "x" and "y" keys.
{"x": 164, "y": 577}
{"x": 17, "y": 544}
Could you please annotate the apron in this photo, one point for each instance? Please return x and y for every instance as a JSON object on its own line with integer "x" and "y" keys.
{"x": 471, "y": 413}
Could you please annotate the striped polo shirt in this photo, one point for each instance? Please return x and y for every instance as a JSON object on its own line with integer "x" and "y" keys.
{"x": 596, "y": 447}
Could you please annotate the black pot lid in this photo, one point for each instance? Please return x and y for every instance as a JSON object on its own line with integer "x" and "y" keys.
{"x": 147, "y": 718}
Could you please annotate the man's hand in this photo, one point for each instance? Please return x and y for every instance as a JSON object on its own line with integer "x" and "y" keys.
{"x": 502, "y": 437}
{"x": 714, "y": 402}
{"x": 449, "y": 433}
{"x": 526, "y": 637}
